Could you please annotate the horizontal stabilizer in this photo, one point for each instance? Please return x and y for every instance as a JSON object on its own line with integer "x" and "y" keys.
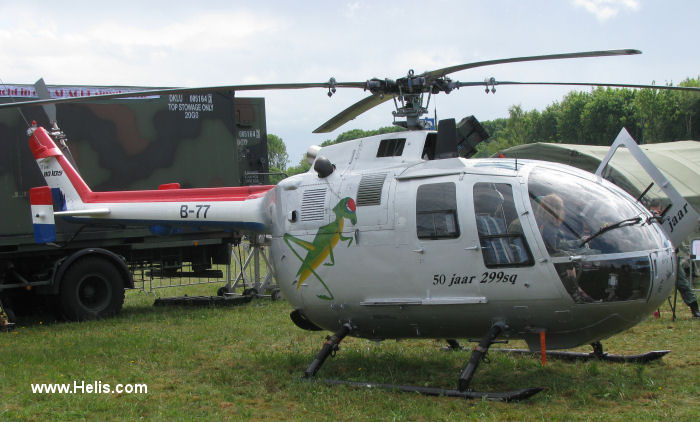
{"x": 91, "y": 212}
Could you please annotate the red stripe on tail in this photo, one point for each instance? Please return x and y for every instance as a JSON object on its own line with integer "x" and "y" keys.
{"x": 43, "y": 146}
{"x": 40, "y": 196}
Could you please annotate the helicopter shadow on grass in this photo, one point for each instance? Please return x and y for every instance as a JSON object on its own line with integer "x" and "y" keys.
{"x": 581, "y": 382}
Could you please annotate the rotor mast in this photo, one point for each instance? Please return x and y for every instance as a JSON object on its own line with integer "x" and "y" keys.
{"x": 409, "y": 95}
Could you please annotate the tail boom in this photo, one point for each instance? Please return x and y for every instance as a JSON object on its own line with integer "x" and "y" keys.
{"x": 229, "y": 207}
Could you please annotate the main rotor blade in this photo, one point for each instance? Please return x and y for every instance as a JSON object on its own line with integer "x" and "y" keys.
{"x": 369, "y": 102}
{"x": 352, "y": 112}
{"x": 166, "y": 91}
{"x": 446, "y": 70}
{"x": 600, "y": 84}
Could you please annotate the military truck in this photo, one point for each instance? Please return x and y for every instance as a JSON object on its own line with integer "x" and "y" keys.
{"x": 199, "y": 140}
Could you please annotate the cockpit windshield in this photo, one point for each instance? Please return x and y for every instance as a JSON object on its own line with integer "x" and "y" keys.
{"x": 578, "y": 217}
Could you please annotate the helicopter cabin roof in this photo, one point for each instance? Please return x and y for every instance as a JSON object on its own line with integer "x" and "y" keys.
{"x": 409, "y": 150}
{"x": 379, "y": 151}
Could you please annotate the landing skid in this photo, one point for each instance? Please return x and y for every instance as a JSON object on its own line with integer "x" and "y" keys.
{"x": 332, "y": 345}
{"x": 515, "y": 395}
{"x": 596, "y": 354}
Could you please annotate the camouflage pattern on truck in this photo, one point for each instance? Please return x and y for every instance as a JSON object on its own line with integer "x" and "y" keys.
{"x": 198, "y": 140}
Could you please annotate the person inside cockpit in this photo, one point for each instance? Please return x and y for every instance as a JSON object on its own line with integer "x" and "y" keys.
{"x": 550, "y": 216}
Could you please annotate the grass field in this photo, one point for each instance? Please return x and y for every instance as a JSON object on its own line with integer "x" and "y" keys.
{"x": 244, "y": 363}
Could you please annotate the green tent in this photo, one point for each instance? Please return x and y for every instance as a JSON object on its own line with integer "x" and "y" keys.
{"x": 678, "y": 161}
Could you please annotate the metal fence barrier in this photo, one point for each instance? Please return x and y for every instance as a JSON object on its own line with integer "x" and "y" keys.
{"x": 249, "y": 273}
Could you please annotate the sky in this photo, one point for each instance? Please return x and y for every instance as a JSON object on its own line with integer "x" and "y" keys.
{"x": 214, "y": 43}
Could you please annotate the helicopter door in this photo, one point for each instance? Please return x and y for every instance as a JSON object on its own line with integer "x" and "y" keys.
{"x": 678, "y": 218}
{"x": 429, "y": 234}
{"x": 506, "y": 258}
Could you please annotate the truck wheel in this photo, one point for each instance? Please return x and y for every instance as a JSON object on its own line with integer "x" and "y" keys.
{"x": 92, "y": 288}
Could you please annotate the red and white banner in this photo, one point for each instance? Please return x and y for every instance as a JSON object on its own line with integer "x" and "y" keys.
{"x": 60, "y": 91}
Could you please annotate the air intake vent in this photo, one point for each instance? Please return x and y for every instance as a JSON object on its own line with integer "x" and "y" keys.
{"x": 370, "y": 190}
{"x": 313, "y": 204}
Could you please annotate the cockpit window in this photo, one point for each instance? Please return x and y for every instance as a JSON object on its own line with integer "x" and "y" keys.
{"x": 579, "y": 217}
{"x": 500, "y": 231}
{"x": 436, "y": 211}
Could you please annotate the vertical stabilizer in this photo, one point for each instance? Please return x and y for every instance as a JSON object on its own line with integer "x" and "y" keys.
{"x": 59, "y": 174}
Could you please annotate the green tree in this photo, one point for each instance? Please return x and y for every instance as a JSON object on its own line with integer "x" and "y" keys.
{"x": 303, "y": 167}
{"x": 545, "y": 126}
{"x": 276, "y": 153}
{"x": 690, "y": 110}
{"x": 604, "y": 113}
{"x": 569, "y": 118}
{"x": 277, "y": 157}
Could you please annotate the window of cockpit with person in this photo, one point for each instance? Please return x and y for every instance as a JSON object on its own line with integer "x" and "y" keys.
{"x": 597, "y": 237}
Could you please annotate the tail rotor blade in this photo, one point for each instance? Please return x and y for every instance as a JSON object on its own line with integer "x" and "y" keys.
{"x": 43, "y": 93}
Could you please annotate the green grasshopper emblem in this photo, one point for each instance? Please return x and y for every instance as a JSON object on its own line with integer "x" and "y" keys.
{"x": 322, "y": 246}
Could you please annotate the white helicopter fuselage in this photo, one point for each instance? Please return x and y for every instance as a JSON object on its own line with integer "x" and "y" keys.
{"x": 400, "y": 245}
{"x": 421, "y": 261}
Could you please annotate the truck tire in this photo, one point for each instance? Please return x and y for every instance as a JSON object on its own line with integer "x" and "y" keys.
{"x": 91, "y": 288}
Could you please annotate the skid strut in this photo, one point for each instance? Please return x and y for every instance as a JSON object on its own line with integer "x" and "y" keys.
{"x": 329, "y": 347}
{"x": 463, "y": 391}
{"x": 477, "y": 355}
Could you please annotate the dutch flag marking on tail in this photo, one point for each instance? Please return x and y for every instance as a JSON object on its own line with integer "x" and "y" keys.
{"x": 42, "y": 214}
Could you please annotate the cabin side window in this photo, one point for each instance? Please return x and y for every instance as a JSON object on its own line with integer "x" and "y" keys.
{"x": 391, "y": 147}
{"x": 500, "y": 231}
{"x": 436, "y": 211}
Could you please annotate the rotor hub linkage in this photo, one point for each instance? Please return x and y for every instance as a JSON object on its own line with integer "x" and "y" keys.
{"x": 411, "y": 85}
{"x": 331, "y": 86}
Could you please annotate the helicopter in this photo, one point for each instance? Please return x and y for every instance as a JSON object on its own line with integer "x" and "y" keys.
{"x": 404, "y": 236}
